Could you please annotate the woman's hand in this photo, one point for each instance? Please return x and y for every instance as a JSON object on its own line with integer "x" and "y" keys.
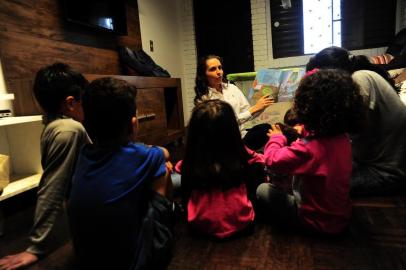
{"x": 261, "y": 104}
{"x": 276, "y": 130}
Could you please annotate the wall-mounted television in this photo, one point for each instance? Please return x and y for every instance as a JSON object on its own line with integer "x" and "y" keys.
{"x": 105, "y": 15}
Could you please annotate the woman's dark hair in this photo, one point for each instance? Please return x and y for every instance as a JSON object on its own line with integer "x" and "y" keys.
{"x": 328, "y": 103}
{"x": 201, "y": 83}
{"x": 215, "y": 155}
{"x": 109, "y": 105}
{"x": 54, "y": 83}
{"x": 340, "y": 58}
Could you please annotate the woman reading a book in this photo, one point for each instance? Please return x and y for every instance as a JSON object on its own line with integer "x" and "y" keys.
{"x": 211, "y": 84}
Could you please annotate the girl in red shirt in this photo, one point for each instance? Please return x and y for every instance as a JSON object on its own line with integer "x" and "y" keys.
{"x": 218, "y": 172}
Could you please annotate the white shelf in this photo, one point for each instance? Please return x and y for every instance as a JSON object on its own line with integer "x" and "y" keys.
{"x": 20, "y": 140}
{"x": 6, "y": 121}
{"x": 20, "y": 184}
{"x": 6, "y": 96}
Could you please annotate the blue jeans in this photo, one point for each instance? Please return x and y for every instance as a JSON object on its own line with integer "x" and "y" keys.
{"x": 278, "y": 205}
{"x": 176, "y": 183}
{"x": 366, "y": 182}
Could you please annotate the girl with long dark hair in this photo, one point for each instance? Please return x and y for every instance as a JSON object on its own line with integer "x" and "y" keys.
{"x": 218, "y": 179}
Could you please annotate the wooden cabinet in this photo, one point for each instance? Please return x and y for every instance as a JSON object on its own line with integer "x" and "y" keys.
{"x": 160, "y": 109}
{"x": 159, "y": 102}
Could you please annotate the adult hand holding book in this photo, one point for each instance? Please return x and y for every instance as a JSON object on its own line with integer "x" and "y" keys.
{"x": 262, "y": 103}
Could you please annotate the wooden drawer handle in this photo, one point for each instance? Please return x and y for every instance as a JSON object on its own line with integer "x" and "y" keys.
{"x": 146, "y": 116}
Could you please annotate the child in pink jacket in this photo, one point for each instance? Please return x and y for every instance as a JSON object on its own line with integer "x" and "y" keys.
{"x": 328, "y": 103}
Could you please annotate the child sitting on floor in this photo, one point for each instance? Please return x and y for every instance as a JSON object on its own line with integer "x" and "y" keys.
{"x": 118, "y": 199}
{"x": 328, "y": 103}
{"x": 218, "y": 172}
{"x": 58, "y": 89}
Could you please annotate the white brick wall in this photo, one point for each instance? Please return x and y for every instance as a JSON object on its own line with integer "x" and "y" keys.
{"x": 189, "y": 57}
{"x": 259, "y": 33}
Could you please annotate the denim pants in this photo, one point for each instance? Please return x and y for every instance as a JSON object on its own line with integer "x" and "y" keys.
{"x": 366, "y": 182}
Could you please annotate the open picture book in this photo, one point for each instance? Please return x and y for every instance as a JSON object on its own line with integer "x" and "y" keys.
{"x": 281, "y": 84}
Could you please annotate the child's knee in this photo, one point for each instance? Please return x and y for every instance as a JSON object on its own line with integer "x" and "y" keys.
{"x": 264, "y": 191}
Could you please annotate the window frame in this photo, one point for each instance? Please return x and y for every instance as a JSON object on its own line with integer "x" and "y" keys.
{"x": 281, "y": 55}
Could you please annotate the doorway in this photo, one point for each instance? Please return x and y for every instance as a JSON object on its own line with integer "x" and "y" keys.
{"x": 224, "y": 28}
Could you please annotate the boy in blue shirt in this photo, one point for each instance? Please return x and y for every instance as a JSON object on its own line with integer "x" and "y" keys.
{"x": 117, "y": 185}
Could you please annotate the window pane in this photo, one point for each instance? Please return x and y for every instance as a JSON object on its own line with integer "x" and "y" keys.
{"x": 336, "y": 9}
{"x": 356, "y": 24}
{"x": 337, "y": 33}
{"x": 317, "y": 25}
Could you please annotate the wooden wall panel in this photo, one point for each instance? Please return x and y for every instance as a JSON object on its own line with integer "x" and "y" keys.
{"x": 34, "y": 34}
{"x": 24, "y": 55}
{"x": 24, "y": 100}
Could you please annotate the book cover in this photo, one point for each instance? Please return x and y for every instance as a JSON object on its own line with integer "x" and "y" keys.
{"x": 281, "y": 84}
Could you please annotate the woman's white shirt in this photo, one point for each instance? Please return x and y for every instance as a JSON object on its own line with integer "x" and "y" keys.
{"x": 233, "y": 96}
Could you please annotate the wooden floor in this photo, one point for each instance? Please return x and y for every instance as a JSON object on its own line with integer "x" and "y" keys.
{"x": 376, "y": 240}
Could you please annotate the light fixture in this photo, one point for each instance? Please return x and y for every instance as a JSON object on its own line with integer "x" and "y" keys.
{"x": 286, "y": 4}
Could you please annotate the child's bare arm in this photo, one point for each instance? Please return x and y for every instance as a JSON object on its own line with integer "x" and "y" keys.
{"x": 169, "y": 166}
{"x": 163, "y": 185}
{"x": 166, "y": 152}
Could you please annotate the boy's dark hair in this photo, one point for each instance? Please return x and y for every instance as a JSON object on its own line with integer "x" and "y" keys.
{"x": 54, "y": 83}
{"x": 289, "y": 121}
{"x": 257, "y": 137}
{"x": 289, "y": 132}
{"x": 215, "y": 155}
{"x": 328, "y": 103}
{"x": 109, "y": 105}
